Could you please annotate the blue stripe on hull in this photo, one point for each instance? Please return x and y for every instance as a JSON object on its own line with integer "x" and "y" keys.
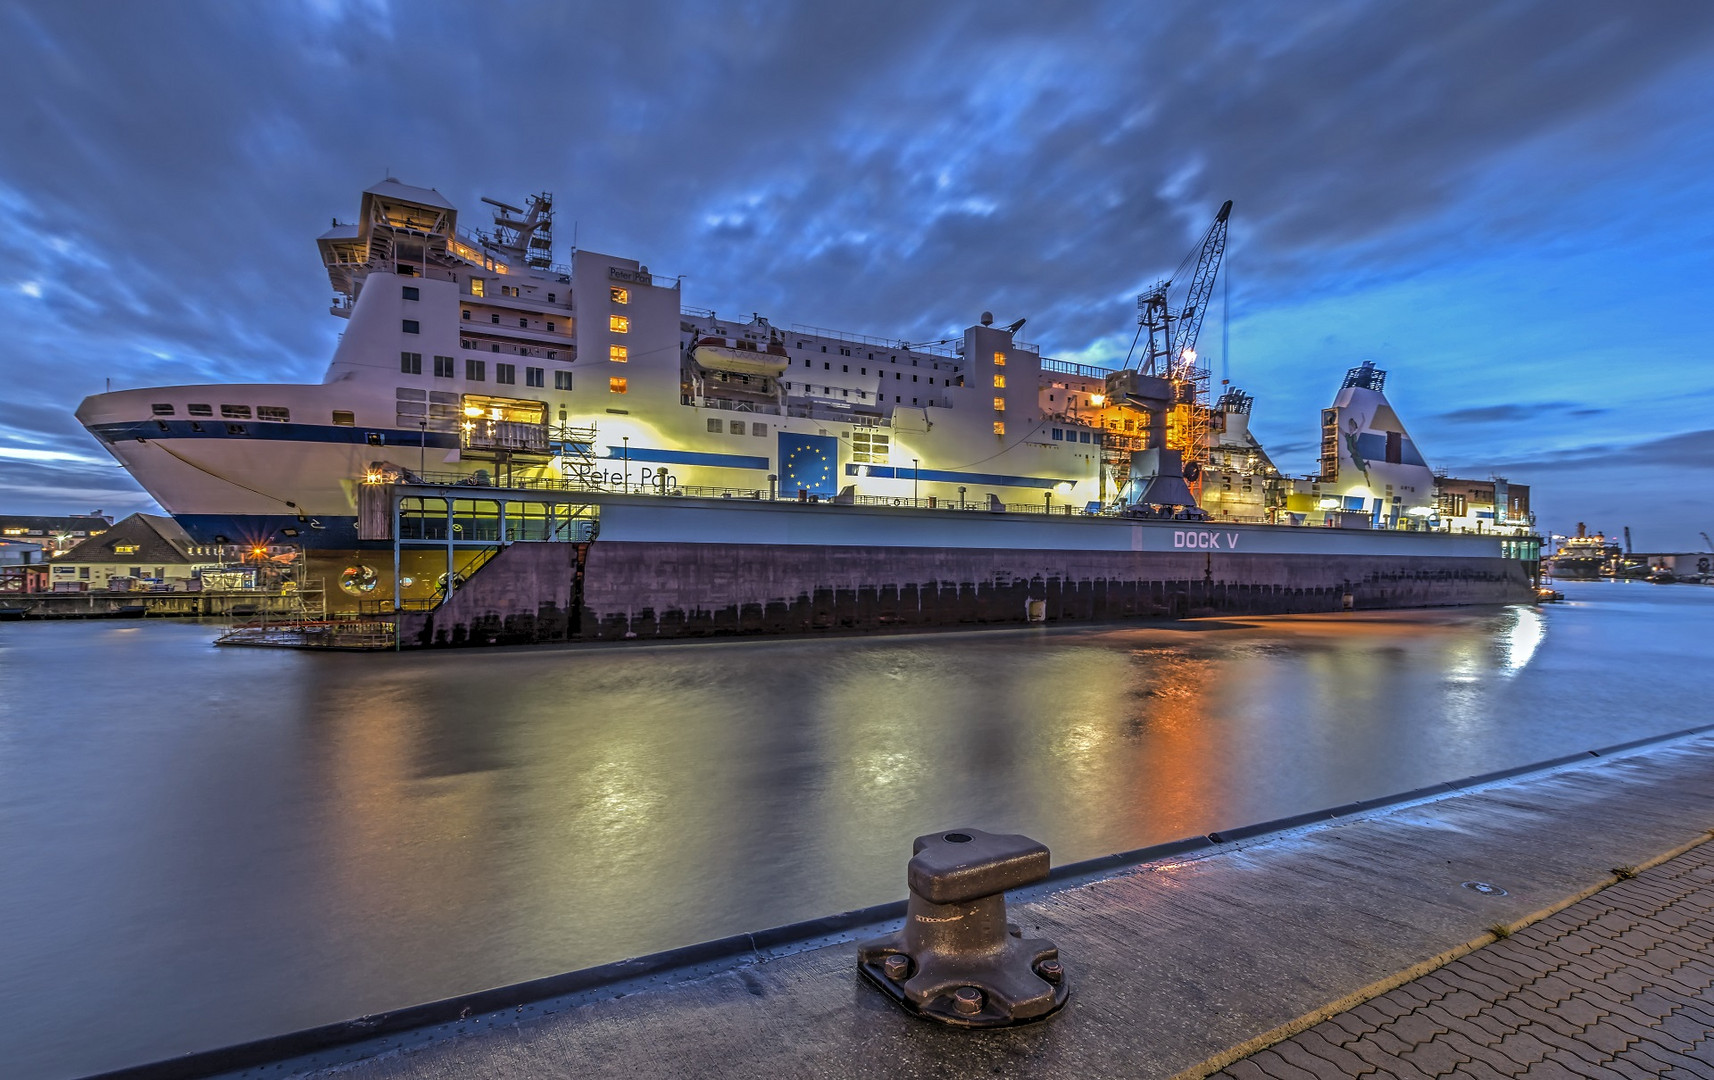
{"x": 947, "y": 476}
{"x": 316, "y": 532}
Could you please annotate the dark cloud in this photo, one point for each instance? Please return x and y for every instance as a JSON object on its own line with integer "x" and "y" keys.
{"x": 1521, "y": 412}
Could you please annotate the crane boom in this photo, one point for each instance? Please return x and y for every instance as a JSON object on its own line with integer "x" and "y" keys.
{"x": 1209, "y": 253}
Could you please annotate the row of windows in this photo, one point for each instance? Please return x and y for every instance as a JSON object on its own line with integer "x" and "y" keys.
{"x": 999, "y": 380}
{"x": 479, "y": 287}
{"x": 520, "y": 350}
{"x": 1068, "y": 435}
{"x": 844, "y": 351}
{"x": 736, "y": 426}
{"x": 273, "y": 413}
{"x": 494, "y": 318}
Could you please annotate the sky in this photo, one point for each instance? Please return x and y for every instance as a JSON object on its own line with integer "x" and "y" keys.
{"x": 1507, "y": 205}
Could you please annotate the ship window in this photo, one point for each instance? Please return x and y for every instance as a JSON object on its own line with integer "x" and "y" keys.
{"x": 534, "y": 376}
{"x": 444, "y": 367}
{"x": 478, "y": 287}
{"x": 845, "y": 368}
{"x": 344, "y": 418}
{"x": 476, "y": 370}
{"x": 550, "y": 328}
{"x": 999, "y": 427}
{"x": 552, "y": 355}
{"x": 235, "y": 412}
{"x": 524, "y": 323}
{"x": 1083, "y": 436}
{"x": 758, "y": 429}
{"x": 411, "y": 363}
{"x": 999, "y": 380}
{"x": 619, "y": 354}
{"x": 506, "y": 373}
{"x": 508, "y": 290}
{"x": 161, "y": 409}
{"x": 897, "y": 376}
{"x": 410, "y": 327}
{"x": 862, "y": 371}
{"x": 200, "y": 410}
{"x": 823, "y": 349}
{"x": 410, "y": 292}
{"x": 552, "y": 299}
{"x": 844, "y": 352}
{"x": 493, "y": 348}
{"x": 715, "y": 425}
{"x": 274, "y": 413}
{"x": 913, "y": 378}
{"x": 494, "y": 317}
{"x": 619, "y": 324}
{"x": 615, "y": 386}
{"x": 736, "y": 427}
{"x": 620, "y": 296}
{"x": 562, "y": 380}
{"x": 999, "y": 359}
{"x": 1059, "y": 433}
{"x": 467, "y": 313}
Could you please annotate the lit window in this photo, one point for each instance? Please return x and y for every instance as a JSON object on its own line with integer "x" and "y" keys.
{"x": 999, "y": 380}
{"x": 619, "y": 354}
{"x": 999, "y": 404}
{"x": 999, "y": 427}
{"x": 477, "y": 287}
{"x": 616, "y": 385}
{"x": 620, "y": 296}
{"x": 999, "y": 359}
{"x": 619, "y": 324}
{"x": 344, "y": 418}
{"x": 125, "y": 549}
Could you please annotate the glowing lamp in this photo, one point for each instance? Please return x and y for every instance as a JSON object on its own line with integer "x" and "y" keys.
{"x": 1097, "y": 400}
{"x": 473, "y": 410}
{"x": 1330, "y": 504}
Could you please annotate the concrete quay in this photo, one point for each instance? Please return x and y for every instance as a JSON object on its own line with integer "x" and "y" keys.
{"x": 1551, "y": 924}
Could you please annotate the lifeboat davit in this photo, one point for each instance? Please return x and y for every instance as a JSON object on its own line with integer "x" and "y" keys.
{"x": 741, "y": 357}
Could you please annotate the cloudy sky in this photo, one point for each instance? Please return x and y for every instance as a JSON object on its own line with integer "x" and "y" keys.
{"x": 1508, "y": 205}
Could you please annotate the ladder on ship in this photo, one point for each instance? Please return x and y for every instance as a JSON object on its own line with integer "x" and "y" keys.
{"x": 577, "y": 460}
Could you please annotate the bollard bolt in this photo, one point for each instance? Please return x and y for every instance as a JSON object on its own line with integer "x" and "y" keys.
{"x": 957, "y": 960}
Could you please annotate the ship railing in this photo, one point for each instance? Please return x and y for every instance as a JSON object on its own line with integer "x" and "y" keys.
{"x": 853, "y": 338}
{"x": 1066, "y": 367}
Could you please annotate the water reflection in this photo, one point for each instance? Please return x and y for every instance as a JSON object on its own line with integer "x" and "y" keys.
{"x": 306, "y": 838}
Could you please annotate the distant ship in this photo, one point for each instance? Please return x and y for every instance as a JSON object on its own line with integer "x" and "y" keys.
{"x": 476, "y": 360}
{"x": 1585, "y": 557}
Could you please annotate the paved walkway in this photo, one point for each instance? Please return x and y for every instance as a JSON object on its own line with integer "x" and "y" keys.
{"x": 1620, "y": 984}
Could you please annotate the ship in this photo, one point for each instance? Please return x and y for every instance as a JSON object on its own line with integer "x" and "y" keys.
{"x": 1585, "y": 557}
{"x": 484, "y": 397}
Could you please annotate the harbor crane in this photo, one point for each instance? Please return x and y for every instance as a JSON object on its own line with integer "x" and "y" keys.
{"x": 1168, "y": 385}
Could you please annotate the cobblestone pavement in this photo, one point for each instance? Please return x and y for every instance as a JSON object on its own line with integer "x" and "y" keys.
{"x": 1620, "y": 984}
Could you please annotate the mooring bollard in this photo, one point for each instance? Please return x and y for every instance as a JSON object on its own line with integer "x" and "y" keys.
{"x": 957, "y": 960}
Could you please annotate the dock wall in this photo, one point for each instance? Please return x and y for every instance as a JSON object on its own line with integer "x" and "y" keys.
{"x": 623, "y": 589}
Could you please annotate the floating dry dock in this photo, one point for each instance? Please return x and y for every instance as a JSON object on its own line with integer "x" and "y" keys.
{"x": 647, "y": 567}
{"x": 1182, "y": 962}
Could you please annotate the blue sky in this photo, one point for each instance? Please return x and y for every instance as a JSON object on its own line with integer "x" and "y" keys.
{"x": 1507, "y": 205}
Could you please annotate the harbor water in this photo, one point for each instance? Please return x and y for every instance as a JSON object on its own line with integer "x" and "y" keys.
{"x": 203, "y": 846}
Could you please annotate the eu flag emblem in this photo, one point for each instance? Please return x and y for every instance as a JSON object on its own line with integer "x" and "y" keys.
{"x": 808, "y": 462}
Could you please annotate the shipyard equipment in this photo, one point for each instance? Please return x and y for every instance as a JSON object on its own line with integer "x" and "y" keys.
{"x": 1168, "y": 385}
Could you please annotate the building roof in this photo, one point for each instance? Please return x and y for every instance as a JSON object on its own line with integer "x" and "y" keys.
{"x": 159, "y": 540}
{"x": 50, "y": 525}
{"x": 392, "y": 189}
